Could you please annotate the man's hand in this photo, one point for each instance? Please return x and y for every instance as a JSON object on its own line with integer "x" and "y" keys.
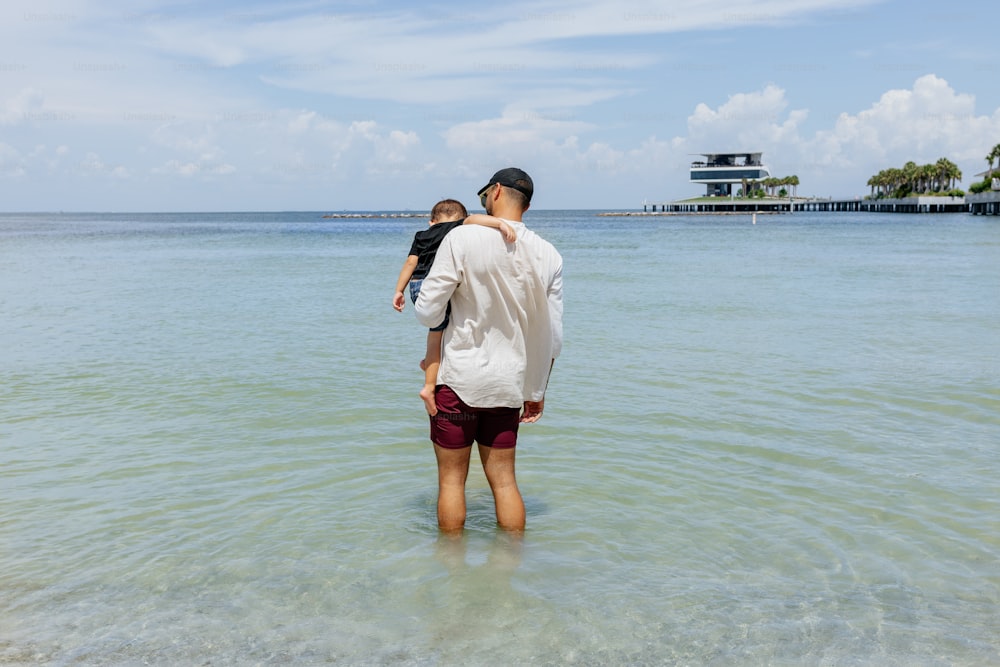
{"x": 532, "y": 411}
{"x": 399, "y": 301}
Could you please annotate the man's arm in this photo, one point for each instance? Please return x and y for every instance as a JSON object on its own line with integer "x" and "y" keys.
{"x": 440, "y": 283}
{"x": 398, "y": 300}
{"x": 555, "y": 299}
{"x": 509, "y": 235}
{"x": 533, "y": 410}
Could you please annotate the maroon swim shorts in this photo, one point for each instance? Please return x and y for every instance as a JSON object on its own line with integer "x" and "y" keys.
{"x": 456, "y": 425}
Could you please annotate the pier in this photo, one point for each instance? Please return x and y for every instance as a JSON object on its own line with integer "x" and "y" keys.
{"x": 717, "y": 205}
{"x": 916, "y": 205}
{"x": 985, "y": 203}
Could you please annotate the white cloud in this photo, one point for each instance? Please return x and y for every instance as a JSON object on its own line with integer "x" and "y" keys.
{"x": 745, "y": 121}
{"x": 205, "y": 166}
{"x": 519, "y": 127}
{"x": 922, "y": 124}
{"x": 11, "y": 162}
{"x": 305, "y": 121}
{"x": 15, "y": 163}
{"x": 22, "y": 107}
{"x": 92, "y": 164}
{"x": 396, "y": 148}
{"x": 416, "y": 55}
{"x": 185, "y": 137}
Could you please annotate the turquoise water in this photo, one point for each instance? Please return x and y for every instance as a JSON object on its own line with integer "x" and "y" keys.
{"x": 763, "y": 444}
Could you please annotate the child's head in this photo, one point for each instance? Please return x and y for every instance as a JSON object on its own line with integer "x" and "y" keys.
{"x": 447, "y": 210}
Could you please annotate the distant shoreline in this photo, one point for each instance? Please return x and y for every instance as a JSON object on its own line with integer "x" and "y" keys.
{"x": 658, "y": 214}
{"x": 377, "y": 215}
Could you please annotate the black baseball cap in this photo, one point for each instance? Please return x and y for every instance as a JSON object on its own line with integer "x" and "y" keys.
{"x": 510, "y": 178}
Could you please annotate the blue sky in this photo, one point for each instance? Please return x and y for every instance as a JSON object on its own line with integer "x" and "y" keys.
{"x": 367, "y": 104}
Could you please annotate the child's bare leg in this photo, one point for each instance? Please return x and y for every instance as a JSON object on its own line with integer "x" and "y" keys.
{"x": 430, "y": 364}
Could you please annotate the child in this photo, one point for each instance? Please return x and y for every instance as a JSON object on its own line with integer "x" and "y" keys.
{"x": 445, "y": 216}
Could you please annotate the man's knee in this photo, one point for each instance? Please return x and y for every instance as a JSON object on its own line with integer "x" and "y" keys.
{"x": 498, "y": 464}
{"x": 453, "y": 464}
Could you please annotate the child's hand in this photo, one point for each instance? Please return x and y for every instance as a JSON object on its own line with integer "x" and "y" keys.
{"x": 399, "y": 301}
{"x": 509, "y": 235}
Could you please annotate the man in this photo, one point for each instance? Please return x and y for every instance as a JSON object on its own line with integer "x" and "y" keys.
{"x": 498, "y": 349}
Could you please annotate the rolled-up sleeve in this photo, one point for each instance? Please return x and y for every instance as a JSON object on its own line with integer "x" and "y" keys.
{"x": 437, "y": 288}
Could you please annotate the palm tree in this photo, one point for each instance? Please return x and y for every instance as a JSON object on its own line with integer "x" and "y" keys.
{"x": 994, "y": 154}
{"x": 793, "y": 180}
{"x": 769, "y": 184}
{"x": 896, "y": 180}
{"x": 878, "y": 181}
{"x": 910, "y": 173}
{"x": 948, "y": 173}
{"x": 928, "y": 176}
{"x": 890, "y": 177}
{"x": 942, "y": 171}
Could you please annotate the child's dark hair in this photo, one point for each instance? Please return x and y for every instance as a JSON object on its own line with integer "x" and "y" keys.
{"x": 448, "y": 209}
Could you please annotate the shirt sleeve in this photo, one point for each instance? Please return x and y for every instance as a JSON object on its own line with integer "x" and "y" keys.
{"x": 416, "y": 247}
{"x": 440, "y": 283}
{"x": 555, "y": 298}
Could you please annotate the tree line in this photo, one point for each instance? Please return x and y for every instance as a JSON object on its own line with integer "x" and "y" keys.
{"x": 937, "y": 178}
{"x": 770, "y": 185}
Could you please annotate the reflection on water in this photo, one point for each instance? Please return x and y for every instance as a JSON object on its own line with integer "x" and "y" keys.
{"x": 476, "y": 601}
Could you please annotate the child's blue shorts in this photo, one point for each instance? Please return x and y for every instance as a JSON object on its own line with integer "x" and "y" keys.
{"x": 415, "y": 291}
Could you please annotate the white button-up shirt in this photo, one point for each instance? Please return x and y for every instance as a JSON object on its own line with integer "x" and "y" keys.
{"x": 506, "y": 314}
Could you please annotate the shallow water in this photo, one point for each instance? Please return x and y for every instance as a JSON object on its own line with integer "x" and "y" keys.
{"x": 763, "y": 444}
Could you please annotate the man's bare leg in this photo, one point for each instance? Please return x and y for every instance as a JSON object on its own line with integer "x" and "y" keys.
{"x": 430, "y": 364}
{"x": 453, "y": 470}
{"x": 498, "y": 464}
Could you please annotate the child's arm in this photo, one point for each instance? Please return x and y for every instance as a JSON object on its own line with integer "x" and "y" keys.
{"x": 509, "y": 235}
{"x": 398, "y": 300}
